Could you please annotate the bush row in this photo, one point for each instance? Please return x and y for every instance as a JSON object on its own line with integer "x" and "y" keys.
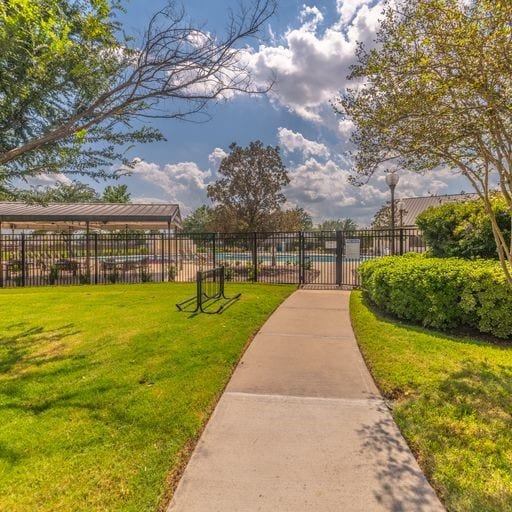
{"x": 441, "y": 293}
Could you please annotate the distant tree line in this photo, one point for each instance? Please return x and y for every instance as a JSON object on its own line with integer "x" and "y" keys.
{"x": 76, "y": 192}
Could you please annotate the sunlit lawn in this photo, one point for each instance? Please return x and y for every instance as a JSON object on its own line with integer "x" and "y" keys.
{"x": 103, "y": 389}
{"x": 452, "y": 399}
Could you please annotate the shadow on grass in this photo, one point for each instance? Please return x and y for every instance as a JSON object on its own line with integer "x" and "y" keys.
{"x": 459, "y": 425}
{"x": 401, "y": 486}
{"x": 18, "y": 345}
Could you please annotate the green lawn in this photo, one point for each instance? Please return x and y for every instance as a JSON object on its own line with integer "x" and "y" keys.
{"x": 452, "y": 399}
{"x": 104, "y": 389}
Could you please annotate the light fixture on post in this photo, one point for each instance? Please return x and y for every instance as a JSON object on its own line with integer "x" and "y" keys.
{"x": 392, "y": 180}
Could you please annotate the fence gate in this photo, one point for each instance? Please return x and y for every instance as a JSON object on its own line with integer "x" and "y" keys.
{"x": 312, "y": 259}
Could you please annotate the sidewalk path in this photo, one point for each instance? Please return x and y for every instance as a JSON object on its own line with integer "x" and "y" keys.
{"x": 301, "y": 426}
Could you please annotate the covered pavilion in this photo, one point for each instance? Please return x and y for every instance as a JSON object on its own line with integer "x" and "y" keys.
{"x": 89, "y": 216}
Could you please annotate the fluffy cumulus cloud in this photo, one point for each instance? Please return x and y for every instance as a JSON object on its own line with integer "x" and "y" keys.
{"x": 183, "y": 183}
{"x": 216, "y": 157}
{"x": 49, "y": 180}
{"x": 310, "y": 64}
{"x": 323, "y": 189}
{"x": 348, "y": 8}
{"x": 292, "y": 141}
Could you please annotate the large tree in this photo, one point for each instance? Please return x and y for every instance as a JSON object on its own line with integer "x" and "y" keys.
{"x": 292, "y": 219}
{"x": 250, "y": 189}
{"x": 436, "y": 92}
{"x": 199, "y": 220}
{"x": 74, "y": 192}
{"x": 116, "y": 194}
{"x": 74, "y": 91}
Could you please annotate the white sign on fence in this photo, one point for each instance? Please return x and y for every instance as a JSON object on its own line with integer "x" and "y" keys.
{"x": 353, "y": 248}
{"x": 330, "y": 244}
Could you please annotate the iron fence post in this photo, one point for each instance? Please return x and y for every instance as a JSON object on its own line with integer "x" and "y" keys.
{"x": 162, "y": 255}
{"x": 214, "y": 253}
{"x": 255, "y": 257}
{"x": 302, "y": 263}
{"x": 95, "y": 258}
{"x": 1, "y": 260}
{"x": 339, "y": 258}
{"x": 401, "y": 241}
{"x": 23, "y": 259}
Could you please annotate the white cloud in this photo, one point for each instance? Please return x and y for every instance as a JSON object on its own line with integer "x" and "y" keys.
{"x": 348, "y": 8}
{"x": 216, "y": 157}
{"x": 311, "y": 17}
{"x": 292, "y": 141}
{"x": 183, "y": 183}
{"x": 311, "y": 66}
{"x": 345, "y": 127}
{"x": 49, "y": 180}
{"x": 324, "y": 190}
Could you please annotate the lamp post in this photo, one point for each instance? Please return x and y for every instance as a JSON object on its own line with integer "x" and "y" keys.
{"x": 401, "y": 211}
{"x": 392, "y": 181}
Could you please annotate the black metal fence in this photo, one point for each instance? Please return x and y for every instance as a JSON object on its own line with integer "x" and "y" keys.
{"x": 306, "y": 258}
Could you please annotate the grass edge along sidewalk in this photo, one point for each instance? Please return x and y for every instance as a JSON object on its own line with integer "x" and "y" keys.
{"x": 101, "y": 388}
{"x": 452, "y": 400}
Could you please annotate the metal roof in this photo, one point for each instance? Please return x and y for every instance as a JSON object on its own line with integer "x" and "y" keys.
{"x": 98, "y": 215}
{"x": 416, "y": 205}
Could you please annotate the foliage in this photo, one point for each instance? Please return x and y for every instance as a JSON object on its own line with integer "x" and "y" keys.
{"x": 250, "y": 190}
{"x": 104, "y": 389}
{"x": 382, "y": 218}
{"x": 75, "y": 91}
{"x": 463, "y": 229}
{"x": 436, "y": 92}
{"x": 295, "y": 219}
{"x": 198, "y": 221}
{"x": 441, "y": 293}
{"x": 171, "y": 273}
{"x": 74, "y": 192}
{"x": 337, "y": 225}
{"x": 53, "y": 274}
{"x": 451, "y": 398}
{"x": 116, "y": 194}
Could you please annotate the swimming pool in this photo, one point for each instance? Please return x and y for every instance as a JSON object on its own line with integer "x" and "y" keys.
{"x": 284, "y": 258}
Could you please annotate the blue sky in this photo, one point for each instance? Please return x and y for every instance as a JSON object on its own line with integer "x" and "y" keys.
{"x": 308, "y": 47}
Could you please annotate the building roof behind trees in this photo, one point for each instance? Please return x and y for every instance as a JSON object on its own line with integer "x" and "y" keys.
{"x": 413, "y": 206}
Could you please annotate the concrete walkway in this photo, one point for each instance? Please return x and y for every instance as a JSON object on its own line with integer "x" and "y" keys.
{"x": 302, "y": 427}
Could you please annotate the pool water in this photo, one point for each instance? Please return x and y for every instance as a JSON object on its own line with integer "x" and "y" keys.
{"x": 284, "y": 258}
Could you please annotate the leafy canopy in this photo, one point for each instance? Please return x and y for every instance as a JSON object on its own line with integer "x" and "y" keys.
{"x": 463, "y": 229}
{"x": 249, "y": 193}
{"x": 436, "y": 92}
{"x": 75, "y": 92}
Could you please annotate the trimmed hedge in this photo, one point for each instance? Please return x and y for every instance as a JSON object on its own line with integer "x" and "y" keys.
{"x": 441, "y": 293}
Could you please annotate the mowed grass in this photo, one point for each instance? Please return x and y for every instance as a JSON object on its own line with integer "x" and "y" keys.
{"x": 104, "y": 389}
{"x": 452, "y": 399}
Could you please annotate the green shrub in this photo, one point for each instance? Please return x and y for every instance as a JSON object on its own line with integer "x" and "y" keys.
{"x": 463, "y": 229}
{"x": 441, "y": 293}
{"x": 53, "y": 274}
